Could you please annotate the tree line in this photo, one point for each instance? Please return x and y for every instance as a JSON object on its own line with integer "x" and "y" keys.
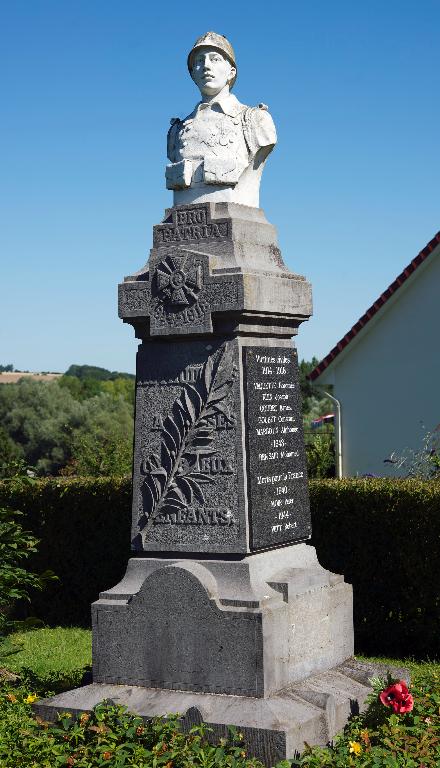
{"x": 82, "y": 424}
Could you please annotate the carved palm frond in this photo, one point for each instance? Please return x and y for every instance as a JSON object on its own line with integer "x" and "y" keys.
{"x": 174, "y": 480}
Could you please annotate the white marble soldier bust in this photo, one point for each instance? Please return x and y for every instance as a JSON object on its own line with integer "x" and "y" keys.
{"x": 218, "y": 152}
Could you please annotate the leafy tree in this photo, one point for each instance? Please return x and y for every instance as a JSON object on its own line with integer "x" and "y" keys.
{"x": 305, "y": 367}
{"x": 83, "y": 388}
{"x": 6, "y": 368}
{"x": 124, "y": 388}
{"x": 103, "y": 445}
{"x": 95, "y": 372}
{"x": 40, "y": 417}
{"x": 320, "y": 446}
{"x": 10, "y": 453}
{"x": 52, "y": 428}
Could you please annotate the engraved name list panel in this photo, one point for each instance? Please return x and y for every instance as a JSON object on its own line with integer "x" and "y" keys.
{"x": 278, "y": 497}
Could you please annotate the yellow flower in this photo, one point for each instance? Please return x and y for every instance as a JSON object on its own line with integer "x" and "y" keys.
{"x": 10, "y": 697}
{"x": 31, "y": 698}
{"x": 355, "y": 747}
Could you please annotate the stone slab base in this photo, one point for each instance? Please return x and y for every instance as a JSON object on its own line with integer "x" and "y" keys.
{"x": 241, "y": 628}
{"x": 274, "y": 728}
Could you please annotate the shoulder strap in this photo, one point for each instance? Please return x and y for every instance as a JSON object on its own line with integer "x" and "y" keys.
{"x": 246, "y": 121}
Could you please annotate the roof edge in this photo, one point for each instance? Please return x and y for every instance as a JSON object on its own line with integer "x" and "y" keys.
{"x": 374, "y": 309}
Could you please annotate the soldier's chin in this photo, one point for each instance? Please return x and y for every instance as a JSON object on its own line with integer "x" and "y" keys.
{"x": 209, "y": 89}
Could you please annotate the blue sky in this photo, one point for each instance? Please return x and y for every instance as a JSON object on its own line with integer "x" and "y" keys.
{"x": 88, "y": 88}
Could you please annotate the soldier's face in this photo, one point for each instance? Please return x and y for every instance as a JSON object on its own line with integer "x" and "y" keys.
{"x": 211, "y": 71}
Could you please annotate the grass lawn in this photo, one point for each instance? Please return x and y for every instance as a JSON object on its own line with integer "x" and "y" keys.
{"x": 64, "y": 653}
{"x": 51, "y": 659}
{"x": 415, "y": 667}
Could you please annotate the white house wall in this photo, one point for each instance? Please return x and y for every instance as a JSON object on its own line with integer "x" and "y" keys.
{"x": 388, "y": 377}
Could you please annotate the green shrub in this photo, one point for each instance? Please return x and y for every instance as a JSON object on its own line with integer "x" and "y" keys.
{"x": 111, "y": 736}
{"x": 16, "y": 582}
{"x": 320, "y": 455}
{"x": 83, "y": 525}
{"x": 384, "y": 536}
{"x": 378, "y": 739}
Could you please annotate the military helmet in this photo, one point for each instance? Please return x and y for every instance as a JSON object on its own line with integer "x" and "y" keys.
{"x": 220, "y": 43}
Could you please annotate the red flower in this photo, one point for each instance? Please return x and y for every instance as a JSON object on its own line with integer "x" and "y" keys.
{"x": 398, "y": 697}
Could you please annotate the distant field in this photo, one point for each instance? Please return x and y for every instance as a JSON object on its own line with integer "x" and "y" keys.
{"x": 12, "y": 378}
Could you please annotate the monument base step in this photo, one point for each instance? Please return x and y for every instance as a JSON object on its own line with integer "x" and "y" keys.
{"x": 274, "y": 728}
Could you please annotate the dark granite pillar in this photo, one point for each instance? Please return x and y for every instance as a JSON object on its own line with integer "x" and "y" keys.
{"x": 224, "y": 612}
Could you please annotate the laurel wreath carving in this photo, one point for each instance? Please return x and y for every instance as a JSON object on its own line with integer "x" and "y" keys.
{"x": 174, "y": 480}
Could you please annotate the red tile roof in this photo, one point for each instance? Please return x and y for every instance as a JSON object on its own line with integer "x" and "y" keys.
{"x": 378, "y": 304}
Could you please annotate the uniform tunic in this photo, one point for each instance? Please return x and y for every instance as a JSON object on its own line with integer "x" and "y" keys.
{"x": 216, "y": 143}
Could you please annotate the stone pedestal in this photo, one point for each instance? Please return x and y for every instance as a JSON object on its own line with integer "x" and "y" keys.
{"x": 219, "y": 463}
{"x": 246, "y": 628}
{"x": 264, "y": 643}
{"x": 224, "y": 612}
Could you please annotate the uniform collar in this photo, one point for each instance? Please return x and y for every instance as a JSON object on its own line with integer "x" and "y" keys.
{"x": 229, "y": 104}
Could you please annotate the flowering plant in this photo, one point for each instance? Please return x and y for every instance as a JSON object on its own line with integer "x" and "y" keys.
{"x": 397, "y": 697}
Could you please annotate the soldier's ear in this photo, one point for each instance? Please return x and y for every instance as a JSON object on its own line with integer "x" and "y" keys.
{"x": 232, "y": 75}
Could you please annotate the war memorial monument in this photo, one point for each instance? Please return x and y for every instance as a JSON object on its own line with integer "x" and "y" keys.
{"x": 224, "y": 614}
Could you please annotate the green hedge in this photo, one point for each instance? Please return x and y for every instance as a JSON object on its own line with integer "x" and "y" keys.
{"x": 84, "y": 529}
{"x": 383, "y": 535}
